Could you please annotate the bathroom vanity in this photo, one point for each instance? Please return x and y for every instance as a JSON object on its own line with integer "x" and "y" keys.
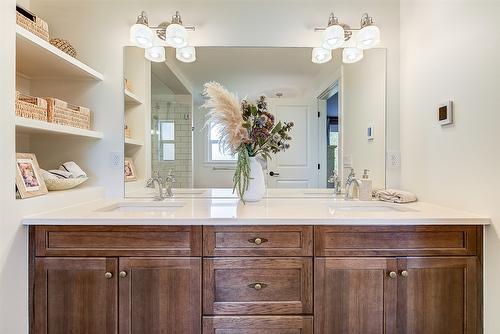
{"x": 278, "y": 266}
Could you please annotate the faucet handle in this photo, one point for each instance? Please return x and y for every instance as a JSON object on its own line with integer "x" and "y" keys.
{"x": 170, "y": 177}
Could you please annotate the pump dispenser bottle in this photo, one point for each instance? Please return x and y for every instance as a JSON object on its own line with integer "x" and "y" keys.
{"x": 365, "y": 190}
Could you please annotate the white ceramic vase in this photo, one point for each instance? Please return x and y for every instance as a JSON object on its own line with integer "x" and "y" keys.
{"x": 256, "y": 185}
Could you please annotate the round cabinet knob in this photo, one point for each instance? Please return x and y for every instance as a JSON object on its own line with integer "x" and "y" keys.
{"x": 123, "y": 274}
{"x": 257, "y": 241}
{"x": 108, "y": 275}
{"x": 257, "y": 286}
{"x": 393, "y": 274}
{"x": 404, "y": 273}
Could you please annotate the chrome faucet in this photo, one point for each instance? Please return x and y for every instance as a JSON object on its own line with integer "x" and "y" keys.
{"x": 337, "y": 183}
{"x": 351, "y": 183}
{"x": 163, "y": 187}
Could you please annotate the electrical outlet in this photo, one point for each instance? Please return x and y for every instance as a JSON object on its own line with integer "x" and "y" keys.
{"x": 115, "y": 160}
{"x": 393, "y": 159}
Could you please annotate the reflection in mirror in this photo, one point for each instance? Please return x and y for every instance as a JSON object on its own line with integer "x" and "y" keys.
{"x": 338, "y": 111}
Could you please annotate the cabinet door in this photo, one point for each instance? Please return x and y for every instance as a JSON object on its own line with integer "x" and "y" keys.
{"x": 355, "y": 295}
{"x": 258, "y": 325}
{"x": 437, "y": 295}
{"x": 75, "y": 295}
{"x": 160, "y": 295}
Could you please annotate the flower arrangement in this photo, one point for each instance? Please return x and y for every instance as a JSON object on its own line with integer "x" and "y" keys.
{"x": 246, "y": 129}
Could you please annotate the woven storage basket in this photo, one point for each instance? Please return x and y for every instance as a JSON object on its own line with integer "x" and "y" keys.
{"x": 64, "y": 46}
{"x": 64, "y": 184}
{"x": 31, "y": 107}
{"x": 63, "y": 113}
{"x": 32, "y": 23}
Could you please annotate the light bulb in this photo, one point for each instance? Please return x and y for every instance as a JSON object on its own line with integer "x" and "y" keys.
{"x": 141, "y": 36}
{"x": 368, "y": 37}
{"x": 176, "y": 35}
{"x": 186, "y": 54}
{"x": 351, "y": 55}
{"x": 155, "y": 54}
{"x": 321, "y": 55}
{"x": 334, "y": 37}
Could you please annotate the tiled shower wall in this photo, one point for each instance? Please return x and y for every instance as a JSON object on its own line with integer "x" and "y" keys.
{"x": 164, "y": 109}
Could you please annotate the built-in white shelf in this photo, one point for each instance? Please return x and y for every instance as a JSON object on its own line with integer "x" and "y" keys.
{"x": 36, "y": 59}
{"x": 133, "y": 142}
{"x": 26, "y": 125}
{"x": 131, "y": 98}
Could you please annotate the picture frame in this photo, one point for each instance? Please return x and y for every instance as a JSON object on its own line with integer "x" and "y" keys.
{"x": 129, "y": 170}
{"x": 29, "y": 181}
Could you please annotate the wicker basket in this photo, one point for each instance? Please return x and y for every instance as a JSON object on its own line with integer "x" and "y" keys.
{"x": 32, "y": 23}
{"x": 64, "y": 46}
{"x": 128, "y": 132}
{"x": 31, "y": 107}
{"x": 63, "y": 113}
{"x": 64, "y": 184}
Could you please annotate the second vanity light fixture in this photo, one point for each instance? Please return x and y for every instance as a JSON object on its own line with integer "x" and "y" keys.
{"x": 340, "y": 35}
{"x": 155, "y": 39}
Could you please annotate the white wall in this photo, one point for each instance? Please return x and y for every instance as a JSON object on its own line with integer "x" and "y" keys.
{"x": 451, "y": 49}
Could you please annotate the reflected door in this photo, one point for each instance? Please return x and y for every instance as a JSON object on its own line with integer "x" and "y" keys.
{"x": 296, "y": 167}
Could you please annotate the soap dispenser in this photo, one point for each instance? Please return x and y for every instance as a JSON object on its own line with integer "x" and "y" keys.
{"x": 365, "y": 190}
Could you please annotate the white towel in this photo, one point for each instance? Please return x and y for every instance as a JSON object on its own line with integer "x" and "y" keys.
{"x": 395, "y": 196}
{"x": 61, "y": 174}
{"x": 73, "y": 168}
{"x": 47, "y": 175}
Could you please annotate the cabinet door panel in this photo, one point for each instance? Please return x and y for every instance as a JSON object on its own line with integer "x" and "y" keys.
{"x": 258, "y": 325}
{"x": 354, "y": 296}
{"x": 439, "y": 295}
{"x": 72, "y": 295}
{"x": 160, "y": 295}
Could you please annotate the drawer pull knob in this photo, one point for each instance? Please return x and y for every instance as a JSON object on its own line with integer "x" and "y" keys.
{"x": 393, "y": 274}
{"x": 257, "y": 240}
{"x": 257, "y": 286}
{"x": 108, "y": 275}
{"x": 123, "y": 274}
{"x": 404, "y": 273}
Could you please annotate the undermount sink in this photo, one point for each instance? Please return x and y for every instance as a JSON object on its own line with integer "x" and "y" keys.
{"x": 367, "y": 207}
{"x": 143, "y": 207}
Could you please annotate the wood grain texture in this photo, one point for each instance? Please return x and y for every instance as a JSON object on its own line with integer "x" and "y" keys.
{"x": 354, "y": 296}
{"x": 160, "y": 295}
{"x": 288, "y": 290}
{"x": 118, "y": 240}
{"x": 395, "y": 240}
{"x": 280, "y": 241}
{"x": 258, "y": 325}
{"x": 72, "y": 295}
{"x": 439, "y": 296}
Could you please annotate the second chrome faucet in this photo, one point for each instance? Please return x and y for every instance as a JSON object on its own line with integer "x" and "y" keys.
{"x": 162, "y": 186}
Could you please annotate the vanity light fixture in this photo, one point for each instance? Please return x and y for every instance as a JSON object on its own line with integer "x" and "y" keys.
{"x": 354, "y": 41}
{"x": 155, "y": 39}
{"x": 321, "y": 55}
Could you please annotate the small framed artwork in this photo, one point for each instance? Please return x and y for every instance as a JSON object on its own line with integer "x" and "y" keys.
{"x": 28, "y": 180}
{"x": 129, "y": 171}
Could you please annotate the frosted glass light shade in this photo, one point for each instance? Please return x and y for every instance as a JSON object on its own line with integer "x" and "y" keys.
{"x": 176, "y": 35}
{"x": 186, "y": 54}
{"x": 321, "y": 55}
{"x": 368, "y": 37}
{"x": 141, "y": 36}
{"x": 352, "y": 55}
{"x": 155, "y": 54}
{"x": 334, "y": 37}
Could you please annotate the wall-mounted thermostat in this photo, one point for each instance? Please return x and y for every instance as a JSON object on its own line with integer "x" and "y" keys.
{"x": 445, "y": 113}
{"x": 370, "y": 134}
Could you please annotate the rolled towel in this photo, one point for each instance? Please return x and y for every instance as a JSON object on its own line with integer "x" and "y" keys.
{"x": 395, "y": 196}
{"x": 61, "y": 174}
{"x": 73, "y": 168}
{"x": 47, "y": 175}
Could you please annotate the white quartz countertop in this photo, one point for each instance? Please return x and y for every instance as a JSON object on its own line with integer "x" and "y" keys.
{"x": 299, "y": 208}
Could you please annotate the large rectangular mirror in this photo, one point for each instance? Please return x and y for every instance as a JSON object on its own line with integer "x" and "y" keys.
{"x": 338, "y": 109}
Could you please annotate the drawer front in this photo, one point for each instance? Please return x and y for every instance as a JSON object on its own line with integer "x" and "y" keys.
{"x": 118, "y": 240}
{"x": 258, "y": 325}
{"x": 258, "y": 241}
{"x": 396, "y": 240}
{"x": 257, "y": 286}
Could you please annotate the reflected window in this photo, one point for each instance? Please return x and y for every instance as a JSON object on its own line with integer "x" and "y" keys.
{"x": 215, "y": 153}
{"x": 167, "y": 137}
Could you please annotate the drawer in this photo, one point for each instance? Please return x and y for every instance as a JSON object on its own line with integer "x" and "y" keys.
{"x": 258, "y": 241}
{"x": 396, "y": 240}
{"x": 117, "y": 240}
{"x": 257, "y": 286}
{"x": 258, "y": 325}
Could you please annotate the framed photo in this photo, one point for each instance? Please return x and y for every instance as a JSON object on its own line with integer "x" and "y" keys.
{"x": 28, "y": 180}
{"x": 129, "y": 171}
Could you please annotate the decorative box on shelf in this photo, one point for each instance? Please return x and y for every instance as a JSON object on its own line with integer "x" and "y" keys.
{"x": 32, "y": 23}
{"x": 128, "y": 132}
{"x": 31, "y": 107}
{"x": 63, "y": 113}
